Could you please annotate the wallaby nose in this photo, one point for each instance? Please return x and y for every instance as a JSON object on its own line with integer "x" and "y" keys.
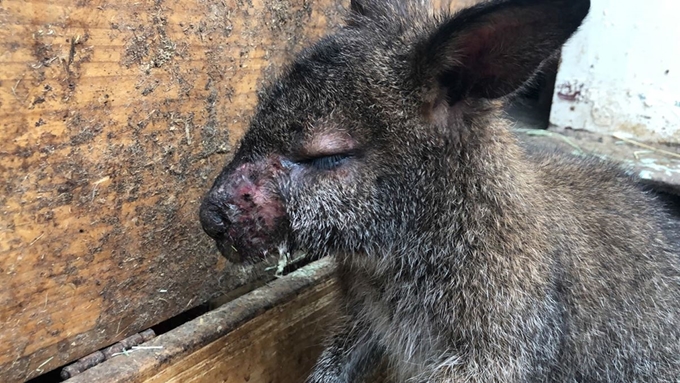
{"x": 213, "y": 218}
{"x": 215, "y": 222}
{"x": 243, "y": 211}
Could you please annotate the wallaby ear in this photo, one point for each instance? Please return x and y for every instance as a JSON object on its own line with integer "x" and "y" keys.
{"x": 492, "y": 49}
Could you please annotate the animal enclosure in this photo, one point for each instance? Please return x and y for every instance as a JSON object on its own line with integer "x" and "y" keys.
{"x": 115, "y": 119}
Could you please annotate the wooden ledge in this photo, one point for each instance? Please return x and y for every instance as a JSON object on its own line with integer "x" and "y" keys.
{"x": 272, "y": 334}
{"x": 655, "y": 165}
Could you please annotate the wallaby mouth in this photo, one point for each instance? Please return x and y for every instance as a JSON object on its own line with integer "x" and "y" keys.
{"x": 229, "y": 251}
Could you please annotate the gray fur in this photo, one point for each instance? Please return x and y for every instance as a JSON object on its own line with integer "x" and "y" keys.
{"x": 462, "y": 257}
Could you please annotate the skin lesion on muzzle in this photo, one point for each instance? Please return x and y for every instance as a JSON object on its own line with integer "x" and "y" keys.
{"x": 244, "y": 214}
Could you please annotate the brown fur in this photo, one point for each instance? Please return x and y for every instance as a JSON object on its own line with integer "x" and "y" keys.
{"x": 462, "y": 256}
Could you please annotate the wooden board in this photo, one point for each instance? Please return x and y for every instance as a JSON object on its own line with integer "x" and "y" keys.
{"x": 115, "y": 117}
{"x": 273, "y": 334}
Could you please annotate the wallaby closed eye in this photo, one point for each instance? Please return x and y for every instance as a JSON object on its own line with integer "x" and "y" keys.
{"x": 327, "y": 162}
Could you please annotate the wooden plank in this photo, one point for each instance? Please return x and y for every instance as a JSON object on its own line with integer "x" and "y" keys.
{"x": 273, "y": 334}
{"x": 115, "y": 117}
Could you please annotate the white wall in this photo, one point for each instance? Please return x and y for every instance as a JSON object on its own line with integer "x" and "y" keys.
{"x": 621, "y": 72}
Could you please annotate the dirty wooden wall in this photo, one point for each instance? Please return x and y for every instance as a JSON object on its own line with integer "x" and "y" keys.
{"x": 115, "y": 117}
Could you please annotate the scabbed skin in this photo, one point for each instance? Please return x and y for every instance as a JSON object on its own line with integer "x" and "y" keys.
{"x": 462, "y": 257}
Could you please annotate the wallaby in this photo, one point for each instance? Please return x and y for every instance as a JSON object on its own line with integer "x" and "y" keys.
{"x": 461, "y": 256}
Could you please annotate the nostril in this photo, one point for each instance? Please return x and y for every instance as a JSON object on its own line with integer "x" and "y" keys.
{"x": 213, "y": 220}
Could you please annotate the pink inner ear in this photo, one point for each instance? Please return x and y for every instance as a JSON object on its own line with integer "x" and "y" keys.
{"x": 481, "y": 46}
{"x": 329, "y": 143}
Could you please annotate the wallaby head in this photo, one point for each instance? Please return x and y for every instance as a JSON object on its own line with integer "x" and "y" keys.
{"x": 369, "y": 138}
{"x": 461, "y": 257}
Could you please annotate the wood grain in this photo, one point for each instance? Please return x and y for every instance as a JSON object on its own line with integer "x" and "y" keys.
{"x": 115, "y": 117}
